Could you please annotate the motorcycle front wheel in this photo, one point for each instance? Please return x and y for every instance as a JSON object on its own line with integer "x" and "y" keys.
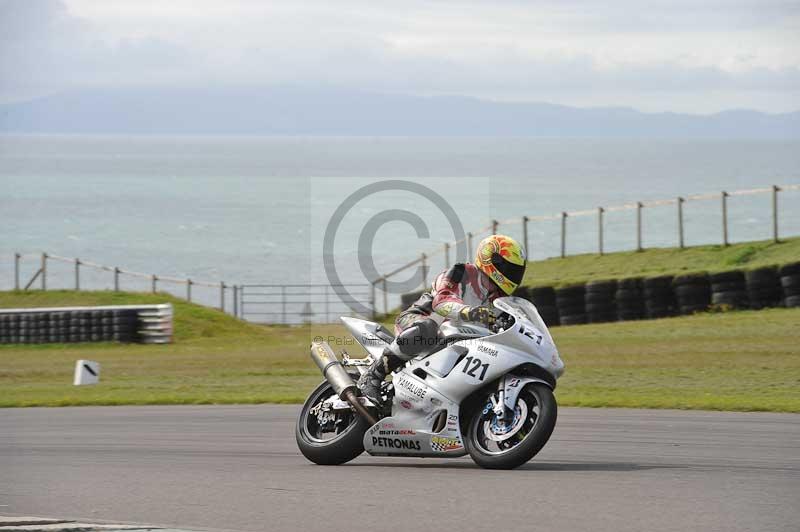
{"x": 506, "y": 444}
{"x": 329, "y": 438}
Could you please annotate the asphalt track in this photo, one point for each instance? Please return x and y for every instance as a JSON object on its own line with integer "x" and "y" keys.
{"x": 237, "y": 468}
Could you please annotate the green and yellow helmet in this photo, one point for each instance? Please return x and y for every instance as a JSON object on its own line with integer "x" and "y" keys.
{"x": 502, "y": 259}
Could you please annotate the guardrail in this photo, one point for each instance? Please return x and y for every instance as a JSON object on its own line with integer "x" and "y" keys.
{"x": 522, "y": 224}
{"x": 302, "y": 303}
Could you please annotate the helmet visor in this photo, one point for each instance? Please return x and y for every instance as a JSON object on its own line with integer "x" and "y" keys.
{"x": 512, "y": 272}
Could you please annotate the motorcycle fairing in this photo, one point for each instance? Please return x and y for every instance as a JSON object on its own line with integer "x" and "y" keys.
{"x": 367, "y": 334}
{"x": 409, "y": 430}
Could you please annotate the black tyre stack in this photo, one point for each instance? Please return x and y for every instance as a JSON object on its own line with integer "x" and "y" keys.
{"x": 692, "y": 292}
{"x": 659, "y": 300}
{"x": 70, "y": 326}
{"x": 729, "y": 290}
{"x": 600, "y": 304}
{"x": 630, "y": 299}
{"x": 545, "y": 300}
{"x": 763, "y": 287}
{"x": 124, "y": 325}
{"x": 571, "y": 306}
{"x": 790, "y": 283}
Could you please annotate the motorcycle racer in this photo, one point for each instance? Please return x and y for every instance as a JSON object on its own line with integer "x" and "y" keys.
{"x": 462, "y": 293}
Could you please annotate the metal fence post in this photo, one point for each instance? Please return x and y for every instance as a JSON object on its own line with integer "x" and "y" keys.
{"x": 235, "y": 301}
{"x": 446, "y": 255}
{"x": 424, "y": 272}
{"x": 775, "y": 190}
{"x": 116, "y": 279}
{"x": 283, "y": 303}
{"x": 563, "y": 234}
{"x": 44, "y": 271}
{"x": 639, "y": 225}
{"x": 385, "y": 297}
{"x": 495, "y": 223}
{"x": 680, "y": 222}
{"x": 222, "y": 296}
{"x": 600, "y": 212}
{"x": 724, "y": 218}
{"x": 16, "y": 270}
{"x": 153, "y": 282}
{"x": 372, "y": 298}
{"x": 77, "y": 274}
{"x": 525, "y": 237}
{"x": 189, "y": 290}
{"x": 327, "y": 318}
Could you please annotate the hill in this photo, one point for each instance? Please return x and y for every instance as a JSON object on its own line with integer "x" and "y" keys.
{"x": 327, "y": 111}
{"x": 660, "y": 261}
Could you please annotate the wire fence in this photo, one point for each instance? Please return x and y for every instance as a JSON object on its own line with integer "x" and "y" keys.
{"x": 523, "y": 226}
{"x": 41, "y": 270}
{"x": 261, "y": 303}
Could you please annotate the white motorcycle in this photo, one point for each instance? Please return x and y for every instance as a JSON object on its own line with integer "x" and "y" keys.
{"x": 480, "y": 392}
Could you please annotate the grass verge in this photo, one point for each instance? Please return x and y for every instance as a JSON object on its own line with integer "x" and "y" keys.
{"x": 743, "y": 361}
{"x": 660, "y": 261}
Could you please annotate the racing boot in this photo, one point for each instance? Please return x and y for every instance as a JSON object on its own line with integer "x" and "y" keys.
{"x": 370, "y": 382}
{"x": 414, "y": 340}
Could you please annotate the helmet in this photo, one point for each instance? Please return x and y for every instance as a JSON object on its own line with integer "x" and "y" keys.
{"x": 502, "y": 259}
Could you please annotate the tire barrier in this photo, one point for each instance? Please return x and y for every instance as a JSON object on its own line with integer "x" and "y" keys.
{"x": 659, "y": 297}
{"x": 659, "y": 300}
{"x": 571, "y": 304}
{"x": 692, "y": 292}
{"x": 600, "y": 303}
{"x": 790, "y": 284}
{"x": 729, "y": 290}
{"x": 545, "y": 300}
{"x": 763, "y": 287}
{"x": 630, "y": 299}
{"x": 127, "y": 323}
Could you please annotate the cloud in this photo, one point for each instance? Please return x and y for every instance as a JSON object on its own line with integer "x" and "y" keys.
{"x": 44, "y": 48}
{"x": 540, "y": 50}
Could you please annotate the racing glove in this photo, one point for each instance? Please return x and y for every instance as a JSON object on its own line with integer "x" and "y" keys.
{"x": 477, "y": 314}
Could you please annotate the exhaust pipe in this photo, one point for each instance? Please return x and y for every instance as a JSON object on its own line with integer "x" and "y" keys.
{"x": 340, "y": 380}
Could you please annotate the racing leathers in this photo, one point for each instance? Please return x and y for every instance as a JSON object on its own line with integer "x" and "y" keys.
{"x": 457, "y": 293}
{"x": 460, "y": 293}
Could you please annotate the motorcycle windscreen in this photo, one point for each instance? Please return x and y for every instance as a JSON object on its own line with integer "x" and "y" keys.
{"x": 517, "y": 306}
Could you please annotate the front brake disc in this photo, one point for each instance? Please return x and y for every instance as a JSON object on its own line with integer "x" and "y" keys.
{"x": 498, "y": 432}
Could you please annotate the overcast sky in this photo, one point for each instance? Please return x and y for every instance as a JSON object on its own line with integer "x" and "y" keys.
{"x": 676, "y": 55}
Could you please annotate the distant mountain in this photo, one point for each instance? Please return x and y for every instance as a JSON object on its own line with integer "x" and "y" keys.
{"x": 304, "y": 111}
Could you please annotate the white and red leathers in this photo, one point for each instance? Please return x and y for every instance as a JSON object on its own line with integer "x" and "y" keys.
{"x": 462, "y": 285}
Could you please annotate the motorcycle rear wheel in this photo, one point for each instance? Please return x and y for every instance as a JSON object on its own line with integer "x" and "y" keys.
{"x": 541, "y": 412}
{"x": 345, "y": 443}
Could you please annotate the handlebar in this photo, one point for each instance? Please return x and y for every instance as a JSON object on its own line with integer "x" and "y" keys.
{"x": 504, "y": 321}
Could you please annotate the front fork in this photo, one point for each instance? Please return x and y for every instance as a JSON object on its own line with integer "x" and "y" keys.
{"x": 498, "y": 404}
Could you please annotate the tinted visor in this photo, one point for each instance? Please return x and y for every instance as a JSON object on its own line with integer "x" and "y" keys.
{"x": 512, "y": 272}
